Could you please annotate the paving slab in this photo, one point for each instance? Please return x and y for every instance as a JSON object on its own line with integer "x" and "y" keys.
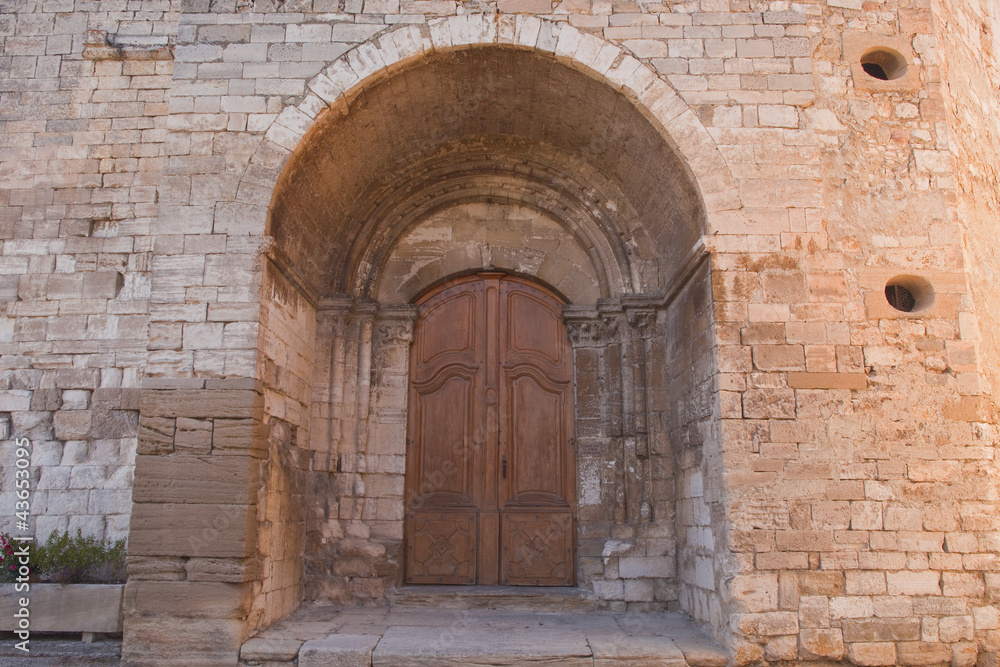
{"x": 261, "y": 649}
{"x": 458, "y": 646}
{"x": 62, "y": 651}
{"x": 405, "y": 636}
{"x": 338, "y": 651}
{"x": 618, "y": 648}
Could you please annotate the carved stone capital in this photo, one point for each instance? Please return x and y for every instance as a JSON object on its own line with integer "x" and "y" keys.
{"x": 394, "y": 324}
{"x": 642, "y": 322}
{"x": 394, "y": 331}
{"x": 595, "y": 331}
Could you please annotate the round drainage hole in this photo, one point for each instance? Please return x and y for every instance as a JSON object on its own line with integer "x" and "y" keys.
{"x": 900, "y": 298}
{"x": 883, "y": 64}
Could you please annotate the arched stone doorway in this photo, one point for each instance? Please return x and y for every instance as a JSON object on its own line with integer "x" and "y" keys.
{"x": 563, "y": 160}
{"x": 494, "y": 158}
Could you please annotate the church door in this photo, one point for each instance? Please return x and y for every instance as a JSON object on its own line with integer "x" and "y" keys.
{"x": 490, "y": 475}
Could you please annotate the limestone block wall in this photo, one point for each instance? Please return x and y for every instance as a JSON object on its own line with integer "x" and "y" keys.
{"x": 969, "y": 51}
{"x": 844, "y": 505}
{"x": 702, "y": 529}
{"x": 82, "y": 135}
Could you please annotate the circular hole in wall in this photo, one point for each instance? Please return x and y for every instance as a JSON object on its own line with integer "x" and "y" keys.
{"x": 909, "y": 294}
{"x": 884, "y": 64}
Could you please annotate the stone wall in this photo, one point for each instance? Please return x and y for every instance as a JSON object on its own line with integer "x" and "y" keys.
{"x": 967, "y": 34}
{"x": 841, "y": 505}
{"x": 702, "y": 528}
{"x": 81, "y": 154}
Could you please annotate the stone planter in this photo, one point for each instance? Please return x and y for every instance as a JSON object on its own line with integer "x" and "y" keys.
{"x": 85, "y": 608}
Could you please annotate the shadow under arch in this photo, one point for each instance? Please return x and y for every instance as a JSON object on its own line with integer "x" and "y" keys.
{"x": 512, "y": 120}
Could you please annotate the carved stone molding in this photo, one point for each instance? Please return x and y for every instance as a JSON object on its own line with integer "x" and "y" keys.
{"x": 592, "y": 328}
{"x": 394, "y": 324}
{"x": 642, "y": 322}
{"x": 394, "y": 331}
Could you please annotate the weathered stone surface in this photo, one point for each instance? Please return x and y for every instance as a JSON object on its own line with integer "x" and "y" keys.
{"x": 185, "y": 599}
{"x": 223, "y": 203}
{"x": 440, "y": 646}
{"x": 149, "y": 640}
{"x": 196, "y": 479}
{"x": 340, "y": 650}
{"x": 206, "y": 403}
{"x": 193, "y": 529}
{"x": 614, "y": 649}
{"x": 65, "y": 607}
{"x": 259, "y": 649}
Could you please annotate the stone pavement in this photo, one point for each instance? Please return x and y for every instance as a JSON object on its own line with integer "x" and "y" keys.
{"x": 409, "y": 637}
{"x": 61, "y": 650}
{"x": 417, "y": 634}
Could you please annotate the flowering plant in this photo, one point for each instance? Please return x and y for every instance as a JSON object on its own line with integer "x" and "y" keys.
{"x": 8, "y": 561}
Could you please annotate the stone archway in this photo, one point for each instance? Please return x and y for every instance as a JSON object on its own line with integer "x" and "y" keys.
{"x": 620, "y": 170}
{"x": 360, "y": 222}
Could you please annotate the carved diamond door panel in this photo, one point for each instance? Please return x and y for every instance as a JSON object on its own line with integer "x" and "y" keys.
{"x": 490, "y": 467}
{"x": 537, "y": 548}
{"x": 441, "y": 547}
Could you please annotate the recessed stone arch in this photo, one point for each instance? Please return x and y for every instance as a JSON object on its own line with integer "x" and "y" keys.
{"x": 340, "y": 86}
{"x": 473, "y": 110}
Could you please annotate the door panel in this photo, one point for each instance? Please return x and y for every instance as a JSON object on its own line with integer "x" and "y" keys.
{"x": 444, "y": 414}
{"x": 535, "y": 470}
{"x": 441, "y": 547}
{"x": 490, "y": 458}
{"x": 449, "y": 328}
{"x": 537, "y": 548}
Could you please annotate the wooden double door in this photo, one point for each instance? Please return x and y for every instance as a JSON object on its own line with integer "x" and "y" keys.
{"x": 490, "y": 475}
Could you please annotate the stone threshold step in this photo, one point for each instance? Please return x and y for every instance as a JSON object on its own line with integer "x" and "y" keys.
{"x": 526, "y": 598}
{"x": 425, "y": 637}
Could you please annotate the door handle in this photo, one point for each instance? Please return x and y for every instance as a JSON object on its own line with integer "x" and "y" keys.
{"x": 503, "y": 465}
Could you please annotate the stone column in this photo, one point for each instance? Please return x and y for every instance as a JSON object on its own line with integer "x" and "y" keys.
{"x": 641, "y": 324}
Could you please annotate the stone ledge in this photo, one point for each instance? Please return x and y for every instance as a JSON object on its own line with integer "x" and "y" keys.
{"x": 65, "y": 607}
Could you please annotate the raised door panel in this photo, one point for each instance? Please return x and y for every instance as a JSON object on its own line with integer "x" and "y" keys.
{"x": 441, "y": 547}
{"x": 443, "y": 413}
{"x": 537, "y": 461}
{"x": 534, "y": 328}
{"x": 537, "y": 548}
{"x": 448, "y": 324}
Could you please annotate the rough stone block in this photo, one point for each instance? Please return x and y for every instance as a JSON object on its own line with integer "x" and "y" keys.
{"x": 196, "y": 479}
{"x": 207, "y": 403}
{"x": 189, "y": 529}
{"x": 261, "y": 649}
{"x": 817, "y": 644}
{"x": 186, "y": 599}
{"x": 207, "y": 641}
{"x": 872, "y": 654}
{"x": 72, "y": 424}
{"x": 922, "y": 653}
{"x": 114, "y": 424}
{"x": 881, "y": 630}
